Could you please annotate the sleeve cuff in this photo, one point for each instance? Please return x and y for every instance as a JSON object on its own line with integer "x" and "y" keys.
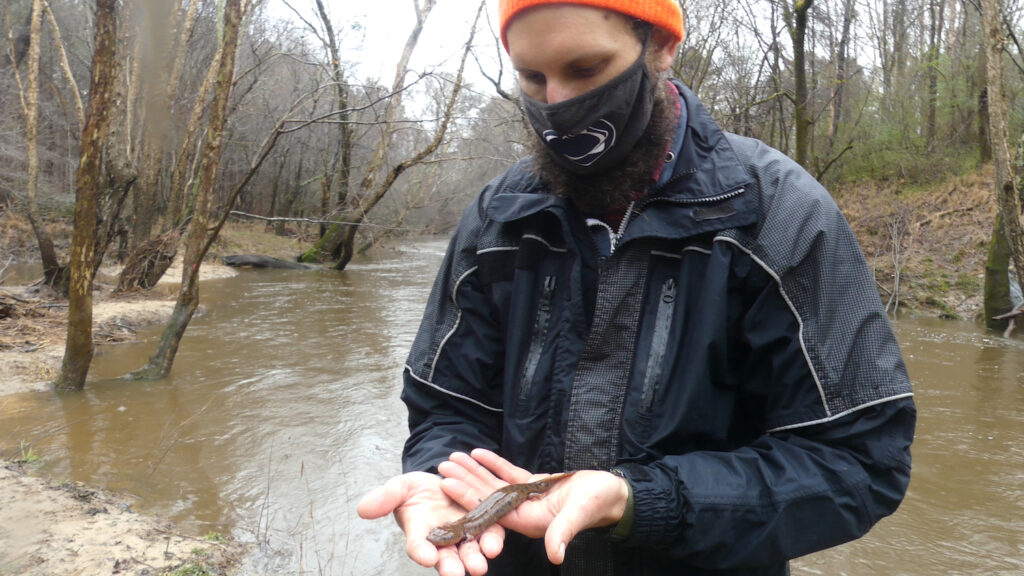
{"x": 621, "y": 531}
{"x": 656, "y": 507}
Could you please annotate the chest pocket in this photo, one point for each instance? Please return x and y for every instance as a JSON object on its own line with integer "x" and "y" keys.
{"x": 538, "y": 335}
{"x": 659, "y": 344}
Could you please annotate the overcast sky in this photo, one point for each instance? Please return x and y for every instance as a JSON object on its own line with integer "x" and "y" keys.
{"x": 385, "y": 26}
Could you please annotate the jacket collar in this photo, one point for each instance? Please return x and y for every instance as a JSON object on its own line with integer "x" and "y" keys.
{"x": 707, "y": 190}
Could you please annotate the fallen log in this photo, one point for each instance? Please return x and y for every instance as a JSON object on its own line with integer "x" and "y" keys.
{"x": 260, "y": 261}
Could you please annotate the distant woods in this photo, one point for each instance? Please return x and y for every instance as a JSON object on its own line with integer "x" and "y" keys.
{"x": 893, "y": 89}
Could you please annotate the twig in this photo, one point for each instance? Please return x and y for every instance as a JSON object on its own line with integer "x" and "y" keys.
{"x": 176, "y": 435}
{"x": 4, "y": 269}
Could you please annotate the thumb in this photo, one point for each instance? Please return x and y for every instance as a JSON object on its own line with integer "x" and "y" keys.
{"x": 560, "y": 532}
{"x": 383, "y": 500}
{"x": 379, "y": 502}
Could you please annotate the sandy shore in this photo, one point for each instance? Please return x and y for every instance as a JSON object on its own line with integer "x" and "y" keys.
{"x": 56, "y": 529}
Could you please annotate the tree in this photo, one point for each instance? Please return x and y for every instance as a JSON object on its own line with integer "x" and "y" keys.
{"x": 53, "y": 273}
{"x": 797, "y": 24}
{"x": 159, "y": 365}
{"x": 340, "y": 237}
{"x": 79, "y": 349}
{"x": 1007, "y": 193}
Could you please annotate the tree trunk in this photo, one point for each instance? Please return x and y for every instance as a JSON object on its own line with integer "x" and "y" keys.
{"x": 159, "y": 365}
{"x": 180, "y": 187}
{"x": 984, "y": 142}
{"x": 797, "y": 21}
{"x": 997, "y": 277}
{"x": 339, "y": 240}
{"x": 158, "y": 84}
{"x": 936, "y": 15}
{"x": 343, "y": 160}
{"x": 53, "y": 273}
{"x": 842, "y": 54}
{"x": 79, "y": 349}
{"x": 1007, "y": 195}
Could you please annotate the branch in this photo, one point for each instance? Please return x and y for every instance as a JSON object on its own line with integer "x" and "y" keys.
{"x": 66, "y": 66}
{"x": 847, "y": 148}
{"x": 314, "y": 221}
{"x": 326, "y": 115}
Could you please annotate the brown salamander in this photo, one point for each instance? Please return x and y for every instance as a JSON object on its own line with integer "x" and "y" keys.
{"x": 491, "y": 509}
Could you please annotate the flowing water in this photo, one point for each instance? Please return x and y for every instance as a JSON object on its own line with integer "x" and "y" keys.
{"x": 282, "y": 409}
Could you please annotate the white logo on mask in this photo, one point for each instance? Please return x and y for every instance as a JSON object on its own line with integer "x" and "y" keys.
{"x": 586, "y": 147}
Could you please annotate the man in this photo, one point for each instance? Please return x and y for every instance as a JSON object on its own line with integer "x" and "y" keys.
{"x": 680, "y": 314}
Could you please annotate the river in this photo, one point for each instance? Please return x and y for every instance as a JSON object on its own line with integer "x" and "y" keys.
{"x": 283, "y": 408}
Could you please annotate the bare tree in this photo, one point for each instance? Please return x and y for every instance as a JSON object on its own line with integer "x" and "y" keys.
{"x": 160, "y": 363}
{"x": 54, "y": 274}
{"x": 79, "y": 349}
{"x": 340, "y": 237}
{"x": 1007, "y": 194}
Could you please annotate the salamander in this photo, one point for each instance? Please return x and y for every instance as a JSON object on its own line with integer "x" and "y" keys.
{"x": 491, "y": 509}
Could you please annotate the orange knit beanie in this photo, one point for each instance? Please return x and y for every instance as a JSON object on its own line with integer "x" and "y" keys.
{"x": 664, "y": 14}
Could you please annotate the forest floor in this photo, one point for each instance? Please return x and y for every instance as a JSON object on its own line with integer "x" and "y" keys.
{"x": 942, "y": 233}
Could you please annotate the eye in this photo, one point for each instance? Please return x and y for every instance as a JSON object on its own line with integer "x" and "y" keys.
{"x": 531, "y": 77}
{"x": 587, "y": 70}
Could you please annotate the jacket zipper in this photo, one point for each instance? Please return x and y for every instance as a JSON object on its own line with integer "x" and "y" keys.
{"x": 622, "y": 227}
{"x": 539, "y": 336}
{"x": 659, "y": 345}
{"x": 693, "y": 201}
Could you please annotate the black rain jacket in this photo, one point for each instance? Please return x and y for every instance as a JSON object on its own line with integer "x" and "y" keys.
{"x": 730, "y": 356}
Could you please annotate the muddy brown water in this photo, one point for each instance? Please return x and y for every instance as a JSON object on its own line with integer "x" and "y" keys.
{"x": 283, "y": 409}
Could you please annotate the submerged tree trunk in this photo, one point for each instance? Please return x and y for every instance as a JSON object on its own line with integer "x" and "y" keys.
{"x": 159, "y": 365}
{"x": 1007, "y": 195}
{"x": 997, "y": 277}
{"x": 79, "y": 349}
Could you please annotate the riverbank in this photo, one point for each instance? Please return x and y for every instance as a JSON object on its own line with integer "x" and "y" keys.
{"x": 32, "y": 336}
{"x": 56, "y": 528}
{"x": 50, "y": 528}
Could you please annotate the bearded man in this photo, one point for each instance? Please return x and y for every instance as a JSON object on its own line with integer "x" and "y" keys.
{"x": 680, "y": 315}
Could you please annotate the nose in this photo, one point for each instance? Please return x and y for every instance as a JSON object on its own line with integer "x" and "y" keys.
{"x": 557, "y": 92}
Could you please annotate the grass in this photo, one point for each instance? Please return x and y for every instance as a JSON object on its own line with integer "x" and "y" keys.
{"x": 28, "y": 455}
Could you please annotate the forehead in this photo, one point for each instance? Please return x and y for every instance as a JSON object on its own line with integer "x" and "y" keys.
{"x": 565, "y": 26}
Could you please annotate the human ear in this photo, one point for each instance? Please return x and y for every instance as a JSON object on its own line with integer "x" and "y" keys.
{"x": 662, "y": 50}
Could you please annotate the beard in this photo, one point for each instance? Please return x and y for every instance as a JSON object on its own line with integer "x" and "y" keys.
{"x": 613, "y": 190}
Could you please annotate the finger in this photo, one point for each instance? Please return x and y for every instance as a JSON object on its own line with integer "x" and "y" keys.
{"x": 448, "y": 563}
{"x": 423, "y": 553}
{"x": 492, "y": 541}
{"x": 382, "y": 500}
{"x": 461, "y": 493}
{"x": 481, "y": 475}
{"x": 472, "y": 558}
{"x": 504, "y": 469}
{"x": 472, "y": 482}
{"x": 560, "y": 532}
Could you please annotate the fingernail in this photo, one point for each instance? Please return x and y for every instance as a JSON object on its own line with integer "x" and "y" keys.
{"x": 561, "y": 552}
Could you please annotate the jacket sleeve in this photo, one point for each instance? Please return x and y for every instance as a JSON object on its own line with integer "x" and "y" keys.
{"x": 785, "y": 495}
{"x": 452, "y": 379}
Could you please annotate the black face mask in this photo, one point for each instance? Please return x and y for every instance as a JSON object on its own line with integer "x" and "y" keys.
{"x": 594, "y": 131}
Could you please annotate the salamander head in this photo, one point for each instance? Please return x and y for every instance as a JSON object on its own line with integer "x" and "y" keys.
{"x": 443, "y": 536}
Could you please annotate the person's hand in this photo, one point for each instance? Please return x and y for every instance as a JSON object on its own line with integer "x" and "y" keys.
{"x": 587, "y": 499}
{"x": 419, "y": 505}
